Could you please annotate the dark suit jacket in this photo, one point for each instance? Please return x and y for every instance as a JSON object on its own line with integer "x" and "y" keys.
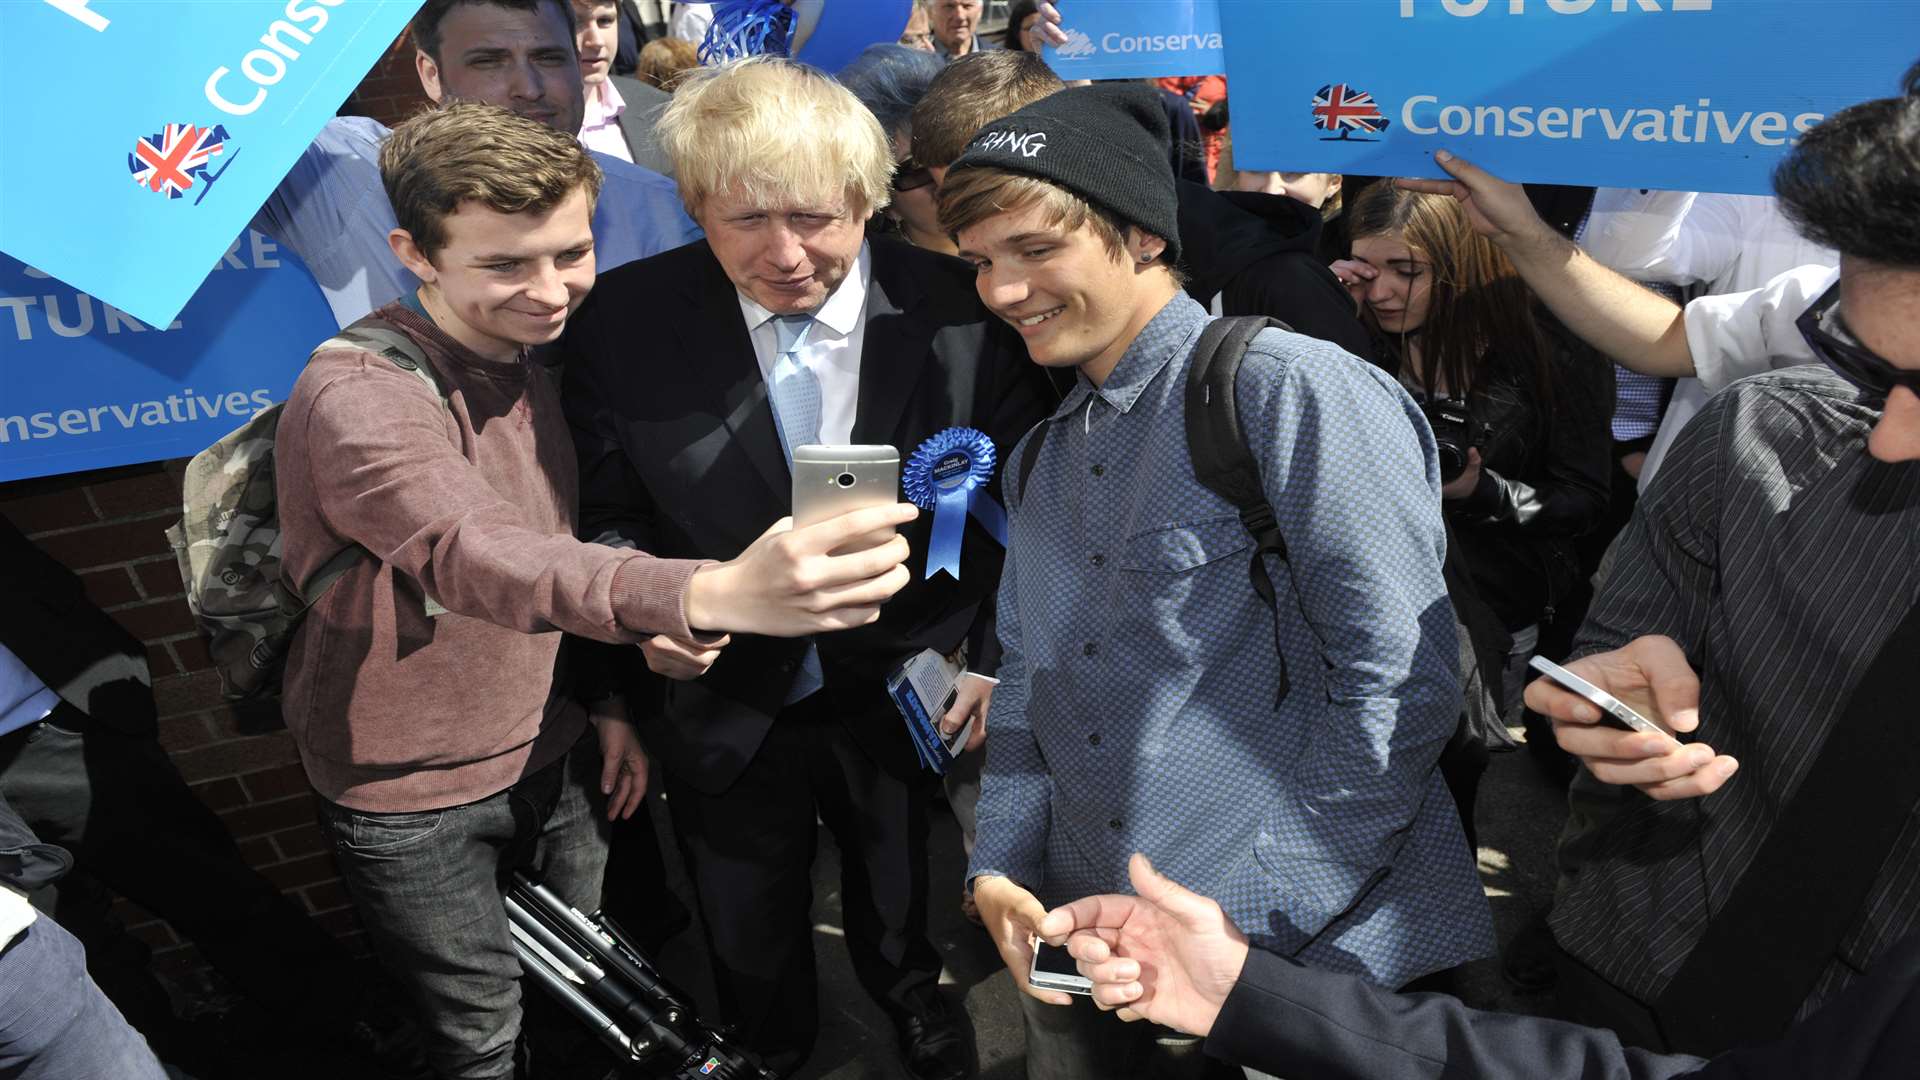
{"x": 645, "y": 103}
{"x": 1288, "y": 1020}
{"x": 74, "y": 647}
{"x": 678, "y": 454}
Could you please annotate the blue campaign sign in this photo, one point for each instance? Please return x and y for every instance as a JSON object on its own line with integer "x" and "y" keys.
{"x": 141, "y": 136}
{"x": 1693, "y": 95}
{"x": 85, "y": 385}
{"x": 1138, "y": 39}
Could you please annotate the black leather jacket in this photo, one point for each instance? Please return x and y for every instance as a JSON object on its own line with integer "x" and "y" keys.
{"x": 1544, "y": 478}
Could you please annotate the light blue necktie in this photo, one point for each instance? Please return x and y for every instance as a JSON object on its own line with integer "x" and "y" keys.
{"x": 794, "y": 391}
{"x": 792, "y": 387}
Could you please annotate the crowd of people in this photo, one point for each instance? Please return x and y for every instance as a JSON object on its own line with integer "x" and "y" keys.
{"x": 1226, "y": 731}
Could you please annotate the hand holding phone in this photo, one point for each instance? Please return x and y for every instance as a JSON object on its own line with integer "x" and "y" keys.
{"x": 1649, "y": 680}
{"x": 795, "y": 582}
{"x": 1612, "y": 709}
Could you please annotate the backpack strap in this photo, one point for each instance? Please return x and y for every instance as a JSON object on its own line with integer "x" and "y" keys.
{"x": 1223, "y": 463}
{"x": 1029, "y": 453}
{"x": 382, "y": 338}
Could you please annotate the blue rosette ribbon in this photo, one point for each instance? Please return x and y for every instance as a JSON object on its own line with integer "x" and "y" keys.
{"x": 948, "y": 475}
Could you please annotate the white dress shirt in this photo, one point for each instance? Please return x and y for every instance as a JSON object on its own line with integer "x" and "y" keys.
{"x": 689, "y": 22}
{"x": 1736, "y": 247}
{"x": 832, "y": 349}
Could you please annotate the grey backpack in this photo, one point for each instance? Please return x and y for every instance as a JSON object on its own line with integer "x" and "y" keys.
{"x": 227, "y": 540}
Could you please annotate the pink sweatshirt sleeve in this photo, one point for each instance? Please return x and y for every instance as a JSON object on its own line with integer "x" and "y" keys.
{"x": 386, "y": 476}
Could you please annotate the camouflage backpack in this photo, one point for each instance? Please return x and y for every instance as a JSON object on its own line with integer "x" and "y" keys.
{"x": 228, "y": 540}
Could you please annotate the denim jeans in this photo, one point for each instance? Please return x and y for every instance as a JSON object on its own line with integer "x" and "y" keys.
{"x": 1080, "y": 1042}
{"x": 428, "y": 886}
{"x": 55, "y": 1024}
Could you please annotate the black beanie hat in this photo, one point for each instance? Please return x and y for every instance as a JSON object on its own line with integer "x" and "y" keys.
{"x": 1107, "y": 143}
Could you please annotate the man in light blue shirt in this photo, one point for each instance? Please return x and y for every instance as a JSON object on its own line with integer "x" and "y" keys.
{"x": 1142, "y": 706}
{"x": 24, "y": 699}
{"x": 332, "y": 211}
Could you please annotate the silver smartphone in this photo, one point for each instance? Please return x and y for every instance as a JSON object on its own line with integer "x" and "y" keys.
{"x": 831, "y": 480}
{"x": 1612, "y": 709}
{"x": 1053, "y": 969}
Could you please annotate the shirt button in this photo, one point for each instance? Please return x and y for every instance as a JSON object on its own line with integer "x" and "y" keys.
{"x": 1091, "y": 649}
{"x": 1093, "y": 739}
{"x": 1114, "y": 824}
{"x": 1099, "y": 470}
{"x": 1099, "y": 560}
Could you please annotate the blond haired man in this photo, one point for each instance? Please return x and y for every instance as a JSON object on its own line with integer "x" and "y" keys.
{"x": 1283, "y": 756}
{"x": 420, "y": 687}
{"x": 783, "y": 327}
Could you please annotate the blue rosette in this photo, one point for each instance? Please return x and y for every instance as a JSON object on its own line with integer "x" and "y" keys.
{"x": 948, "y": 475}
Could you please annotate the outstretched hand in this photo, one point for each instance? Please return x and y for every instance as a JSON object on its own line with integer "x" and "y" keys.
{"x": 1166, "y": 955}
{"x": 827, "y": 576}
{"x": 1496, "y": 209}
{"x": 1049, "y": 25}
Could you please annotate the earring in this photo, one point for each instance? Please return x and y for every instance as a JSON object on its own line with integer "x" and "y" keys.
{"x": 1146, "y": 257}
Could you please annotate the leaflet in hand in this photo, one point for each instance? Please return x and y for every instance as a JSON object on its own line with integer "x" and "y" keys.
{"x": 924, "y": 688}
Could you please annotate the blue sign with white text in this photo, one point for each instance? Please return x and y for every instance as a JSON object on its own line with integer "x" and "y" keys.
{"x": 1691, "y": 95}
{"x": 1138, "y": 39}
{"x": 140, "y": 136}
{"x": 85, "y": 385}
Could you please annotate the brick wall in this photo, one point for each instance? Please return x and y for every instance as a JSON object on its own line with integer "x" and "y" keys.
{"x": 107, "y": 526}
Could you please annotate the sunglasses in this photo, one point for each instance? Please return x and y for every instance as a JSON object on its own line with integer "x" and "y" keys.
{"x": 1827, "y": 334}
{"x": 908, "y": 176}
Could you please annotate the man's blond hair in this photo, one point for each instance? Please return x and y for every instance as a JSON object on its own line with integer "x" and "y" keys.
{"x": 778, "y": 133}
{"x": 470, "y": 151}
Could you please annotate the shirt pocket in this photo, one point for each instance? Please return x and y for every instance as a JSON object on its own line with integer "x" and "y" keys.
{"x": 1182, "y": 548}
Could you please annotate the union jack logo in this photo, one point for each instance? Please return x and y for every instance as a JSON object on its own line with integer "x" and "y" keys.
{"x": 168, "y": 162}
{"x": 1341, "y": 108}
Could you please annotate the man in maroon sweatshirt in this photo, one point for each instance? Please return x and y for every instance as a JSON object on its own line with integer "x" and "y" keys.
{"x": 421, "y": 688}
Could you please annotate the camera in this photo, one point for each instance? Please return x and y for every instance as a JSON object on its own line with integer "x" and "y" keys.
{"x": 596, "y": 972}
{"x": 1454, "y": 431}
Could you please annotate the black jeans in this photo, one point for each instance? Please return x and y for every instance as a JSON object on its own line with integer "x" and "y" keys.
{"x": 428, "y": 887}
{"x": 118, "y": 804}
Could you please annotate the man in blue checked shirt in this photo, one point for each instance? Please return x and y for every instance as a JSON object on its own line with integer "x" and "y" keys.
{"x": 1137, "y": 705}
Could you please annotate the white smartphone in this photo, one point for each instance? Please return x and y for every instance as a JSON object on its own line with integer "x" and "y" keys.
{"x": 831, "y": 480}
{"x": 1612, "y": 709}
{"x": 1053, "y": 969}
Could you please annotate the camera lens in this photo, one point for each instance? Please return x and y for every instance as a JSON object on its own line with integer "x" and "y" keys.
{"x": 844, "y": 480}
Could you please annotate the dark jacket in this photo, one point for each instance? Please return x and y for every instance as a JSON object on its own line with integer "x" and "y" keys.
{"x": 1545, "y": 477}
{"x": 679, "y": 454}
{"x": 645, "y": 103}
{"x": 1257, "y": 253}
{"x": 1288, "y": 1020}
{"x": 74, "y": 647}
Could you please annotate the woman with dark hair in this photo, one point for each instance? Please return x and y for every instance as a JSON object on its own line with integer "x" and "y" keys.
{"x": 1520, "y": 410}
{"x": 890, "y": 80}
{"x": 1023, "y": 24}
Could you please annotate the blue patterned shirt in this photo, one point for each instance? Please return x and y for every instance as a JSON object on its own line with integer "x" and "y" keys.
{"x": 1136, "y": 709}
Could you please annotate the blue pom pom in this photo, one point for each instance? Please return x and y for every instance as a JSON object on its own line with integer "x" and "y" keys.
{"x": 743, "y": 28}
